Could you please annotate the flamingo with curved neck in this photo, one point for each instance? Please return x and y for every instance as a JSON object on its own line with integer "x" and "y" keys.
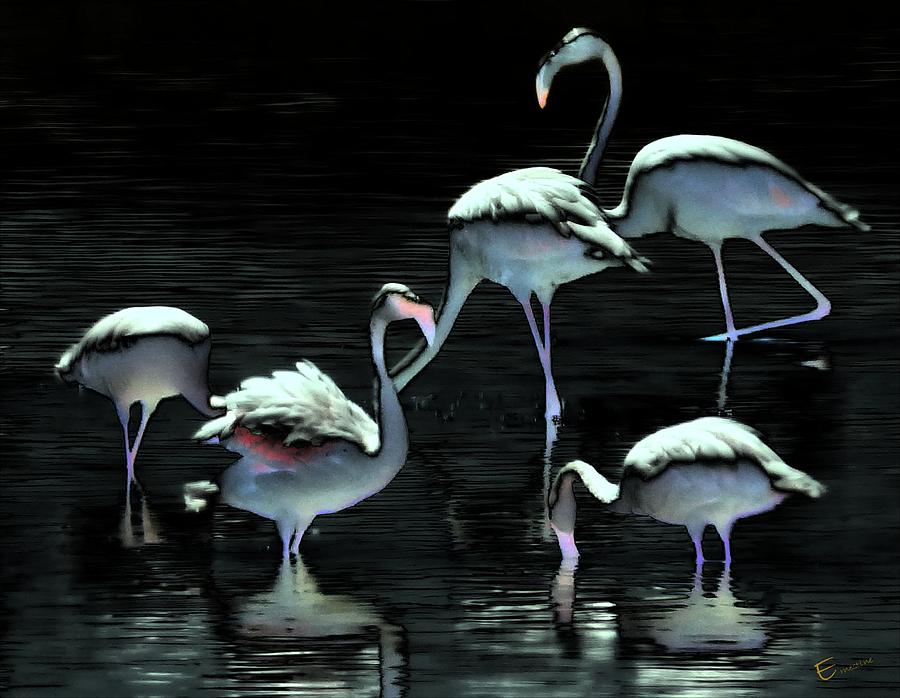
{"x": 710, "y": 471}
{"x": 307, "y": 449}
{"x": 704, "y": 188}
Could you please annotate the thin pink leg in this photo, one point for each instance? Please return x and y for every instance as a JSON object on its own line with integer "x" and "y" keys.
{"x": 724, "y": 531}
{"x": 823, "y": 305}
{"x": 554, "y": 409}
{"x": 145, "y": 417}
{"x": 552, "y": 401}
{"x": 696, "y": 533}
{"x": 726, "y": 303}
{"x": 299, "y": 530}
{"x": 124, "y": 418}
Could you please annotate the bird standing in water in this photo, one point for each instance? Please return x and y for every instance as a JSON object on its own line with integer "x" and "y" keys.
{"x": 708, "y": 471}
{"x": 530, "y": 230}
{"x": 144, "y": 355}
{"x": 704, "y": 188}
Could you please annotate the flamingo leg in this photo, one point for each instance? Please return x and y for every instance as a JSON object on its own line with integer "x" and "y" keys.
{"x": 299, "y": 530}
{"x": 145, "y": 417}
{"x": 731, "y": 333}
{"x": 551, "y": 398}
{"x": 724, "y": 531}
{"x": 124, "y": 418}
{"x": 696, "y": 533}
{"x": 554, "y": 409}
{"x": 823, "y": 305}
{"x": 285, "y": 530}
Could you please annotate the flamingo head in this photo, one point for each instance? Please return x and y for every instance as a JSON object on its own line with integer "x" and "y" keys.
{"x": 561, "y": 508}
{"x": 397, "y": 302}
{"x": 580, "y": 45}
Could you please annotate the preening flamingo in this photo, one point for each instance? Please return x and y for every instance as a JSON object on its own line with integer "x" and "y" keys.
{"x": 708, "y": 471}
{"x": 307, "y": 449}
{"x": 142, "y": 354}
{"x": 703, "y": 188}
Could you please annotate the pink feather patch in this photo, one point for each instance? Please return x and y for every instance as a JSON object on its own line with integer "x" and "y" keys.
{"x": 780, "y": 197}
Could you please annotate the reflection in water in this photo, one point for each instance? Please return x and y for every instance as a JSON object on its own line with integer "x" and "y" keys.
{"x": 726, "y": 371}
{"x": 702, "y": 622}
{"x": 295, "y": 608}
{"x": 562, "y": 592}
{"x": 149, "y": 532}
{"x": 550, "y": 440}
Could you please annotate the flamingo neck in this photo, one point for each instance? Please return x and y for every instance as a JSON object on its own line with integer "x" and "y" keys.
{"x": 460, "y": 283}
{"x": 591, "y": 163}
{"x": 561, "y": 501}
{"x": 392, "y": 430}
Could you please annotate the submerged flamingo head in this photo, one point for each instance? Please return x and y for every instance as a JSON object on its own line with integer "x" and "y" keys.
{"x": 566, "y": 543}
{"x": 397, "y": 302}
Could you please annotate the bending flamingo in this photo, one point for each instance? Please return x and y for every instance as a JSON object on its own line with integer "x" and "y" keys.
{"x": 708, "y": 471}
{"x": 307, "y": 449}
{"x": 704, "y": 188}
{"x": 142, "y": 354}
{"x": 529, "y": 230}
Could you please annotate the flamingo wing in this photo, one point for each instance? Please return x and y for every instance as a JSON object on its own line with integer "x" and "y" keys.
{"x": 117, "y": 329}
{"x": 689, "y": 148}
{"x": 544, "y": 195}
{"x": 303, "y": 406}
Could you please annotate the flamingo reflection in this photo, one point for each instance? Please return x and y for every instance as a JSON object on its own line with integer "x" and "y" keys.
{"x": 295, "y": 608}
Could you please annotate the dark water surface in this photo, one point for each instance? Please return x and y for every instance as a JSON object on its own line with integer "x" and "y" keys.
{"x": 268, "y": 175}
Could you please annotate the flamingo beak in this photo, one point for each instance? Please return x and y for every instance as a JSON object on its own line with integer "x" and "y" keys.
{"x": 541, "y": 87}
{"x": 425, "y": 318}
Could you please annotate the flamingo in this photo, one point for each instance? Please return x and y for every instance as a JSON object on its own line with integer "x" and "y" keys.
{"x": 710, "y": 470}
{"x": 530, "y": 230}
{"x": 143, "y": 355}
{"x": 704, "y": 188}
{"x": 306, "y": 448}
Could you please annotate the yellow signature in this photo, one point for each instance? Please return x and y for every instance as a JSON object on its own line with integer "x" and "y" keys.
{"x": 822, "y": 671}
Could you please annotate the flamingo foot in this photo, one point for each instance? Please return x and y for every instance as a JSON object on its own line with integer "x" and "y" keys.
{"x": 553, "y": 409}
{"x": 724, "y": 337}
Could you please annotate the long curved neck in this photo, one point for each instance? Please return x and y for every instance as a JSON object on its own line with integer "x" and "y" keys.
{"x": 561, "y": 502}
{"x": 460, "y": 283}
{"x": 392, "y": 430}
{"x": 594, "y": 155}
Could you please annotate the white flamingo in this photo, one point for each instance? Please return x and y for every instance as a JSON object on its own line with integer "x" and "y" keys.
{"x": 708, "y": 471}
{"x": 703, "y": 188}
{"x": 144, "y": 355}
{"x": 307, "y": 449}
{"x": 530, "y": 230}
